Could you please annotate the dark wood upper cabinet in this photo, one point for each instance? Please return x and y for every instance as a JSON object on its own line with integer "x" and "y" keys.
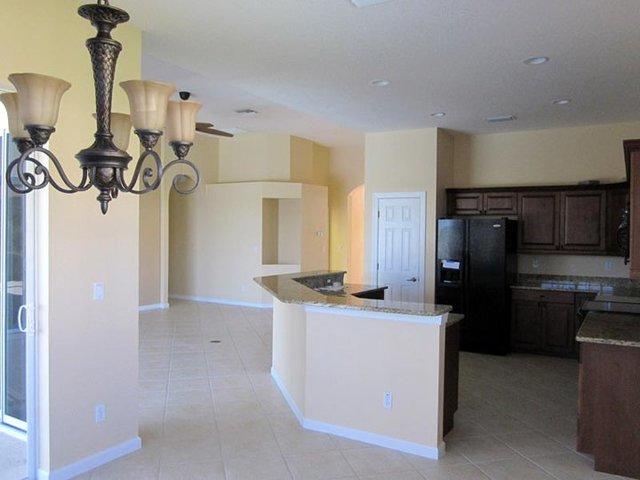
{"x": 583, "y": 221}
{"x": 538, "y": 227}
{"x": 573, "y": 218}
{"x": 500, "y": 203}
{"x": 466, "y": 204}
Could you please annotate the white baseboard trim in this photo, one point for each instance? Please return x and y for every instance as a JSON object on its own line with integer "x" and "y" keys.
{"x": 221, "y": 301}
{"x": 287, "y": 396}
{"x": 154, "y": 306}
{"x": 92, "y": 461}
{"x": 355, "y": 434}
{"x": 375, "y": 439}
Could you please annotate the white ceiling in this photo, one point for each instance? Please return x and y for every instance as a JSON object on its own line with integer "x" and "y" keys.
{"x": 306, "y": 64}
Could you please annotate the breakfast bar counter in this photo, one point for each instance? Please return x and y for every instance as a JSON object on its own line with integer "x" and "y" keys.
{"x": 364, "y": 368}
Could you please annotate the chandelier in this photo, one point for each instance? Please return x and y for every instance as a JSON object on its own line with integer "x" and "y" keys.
{"x": 33, "y": 113}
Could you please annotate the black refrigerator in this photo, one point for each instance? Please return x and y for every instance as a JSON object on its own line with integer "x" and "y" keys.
{"x": 475, "y": 267}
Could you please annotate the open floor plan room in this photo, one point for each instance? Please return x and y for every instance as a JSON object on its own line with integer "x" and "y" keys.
{"x": 319, "y": 240}
{"x": 210, "y": 410}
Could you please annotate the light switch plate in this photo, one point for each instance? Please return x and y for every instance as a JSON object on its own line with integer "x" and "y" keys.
{"x": 98, "y": 291}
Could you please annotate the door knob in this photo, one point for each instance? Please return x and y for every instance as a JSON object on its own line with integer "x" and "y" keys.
{"x": 412, "y": 279}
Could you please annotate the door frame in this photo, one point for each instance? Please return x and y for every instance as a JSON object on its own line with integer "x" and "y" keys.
{"x": 422, "y": 197}
{"x": 36, "y": 224}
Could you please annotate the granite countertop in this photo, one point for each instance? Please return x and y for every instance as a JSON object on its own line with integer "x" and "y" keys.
{"x": 610, "y": 329}
{"x": 286, "y": 289}
{"x": 601, "y": 285}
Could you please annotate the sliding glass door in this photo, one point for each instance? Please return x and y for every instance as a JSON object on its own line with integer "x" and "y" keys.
{"x": 15, "y": 279}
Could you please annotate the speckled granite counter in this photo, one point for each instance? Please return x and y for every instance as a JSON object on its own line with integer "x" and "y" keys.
{"x": 610, "y": 329}
{"x": 604, "y": 285}
{"x": 286, "y": 289}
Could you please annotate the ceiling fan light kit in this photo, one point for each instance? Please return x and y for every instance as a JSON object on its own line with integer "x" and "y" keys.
{"x": 33, "y": 114}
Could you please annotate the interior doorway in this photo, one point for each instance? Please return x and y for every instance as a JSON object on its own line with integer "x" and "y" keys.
{"x": 399, "y": 244}
{"x": 17, "y": 323}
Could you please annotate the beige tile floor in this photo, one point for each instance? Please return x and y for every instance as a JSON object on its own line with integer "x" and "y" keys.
{"x": 210, "y": 411}
{"x": 13, "y": 458}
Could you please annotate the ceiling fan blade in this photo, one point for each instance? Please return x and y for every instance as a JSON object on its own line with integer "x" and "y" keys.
{"x": 207, "y": 128}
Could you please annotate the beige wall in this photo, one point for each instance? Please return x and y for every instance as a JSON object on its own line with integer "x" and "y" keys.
{"x": 154, "y": 218}
{"x": 407, "y": 161}
{"x": 548, "y": 157}
{"x": 216, "y": 238}
{"x": 346, "y": 172}
{"x": 255, "y": 156}
{"x": 336, "y": 365}
{"x": 309, "y": 162}
{"x": 149, "y": 248}
{"x": 543, "y": 157}
{"x": 88, "y": 349}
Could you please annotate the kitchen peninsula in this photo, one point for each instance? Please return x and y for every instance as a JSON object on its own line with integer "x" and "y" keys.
{"x": 354, "y": 365}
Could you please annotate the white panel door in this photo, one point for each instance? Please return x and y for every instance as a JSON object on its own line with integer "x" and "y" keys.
{"x": 400, "y": 248}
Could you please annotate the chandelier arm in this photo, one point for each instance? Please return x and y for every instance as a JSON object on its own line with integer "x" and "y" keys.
{"x": 147, "y": 173}
{"x": 176, "y": 179}
{"x": 70, "y": 187}
{"x": 31, "y": 179}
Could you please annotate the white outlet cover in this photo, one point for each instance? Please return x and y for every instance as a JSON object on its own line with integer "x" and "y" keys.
{"x": 100, "y": 413}
{"x": 388, "y": 400}
{"x": 98, "y": 291}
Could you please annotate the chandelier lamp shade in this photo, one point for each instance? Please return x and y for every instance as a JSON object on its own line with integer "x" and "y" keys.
{"x": 33, "y": 113}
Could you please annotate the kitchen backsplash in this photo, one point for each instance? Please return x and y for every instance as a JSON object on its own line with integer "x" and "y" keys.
{"x": 575, "y": 265}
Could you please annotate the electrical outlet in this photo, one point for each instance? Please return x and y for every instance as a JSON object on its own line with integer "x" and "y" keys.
{"x": 388, "y": 400}
{"x": 100, "y": 413}
{"x": 608, "y": 265}
{"x": 98, "y": 291}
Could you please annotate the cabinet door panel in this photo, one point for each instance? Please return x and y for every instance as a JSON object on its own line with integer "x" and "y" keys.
{"x": 466, "y": 203}
{"x": 500, "y": 203}
{"x": 559, "y": 328}
{"x": 539, "y": 221}
{"x": 584, "y": 221}
{"x": 526, "y": 326}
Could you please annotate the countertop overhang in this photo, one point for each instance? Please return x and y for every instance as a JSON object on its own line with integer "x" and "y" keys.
{"x": 287, "y": 290}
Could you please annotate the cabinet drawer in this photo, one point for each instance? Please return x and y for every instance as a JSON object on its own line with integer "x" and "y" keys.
{"x": 550, "y": 296}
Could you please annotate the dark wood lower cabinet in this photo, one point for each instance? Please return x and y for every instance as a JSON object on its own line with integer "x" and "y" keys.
{"x": 609, "y": 407}
{"x": 451, "y": 374}
{"x": 545, "y": 322}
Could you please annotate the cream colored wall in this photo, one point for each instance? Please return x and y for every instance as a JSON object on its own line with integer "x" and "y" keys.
{"x": 255, "y": 157}
{"x": 355, "y": 222}
{"x": 352, "y": 361}
{"x": 290, "y": 360}
{"x": 346, "y": 172}
{"x": 543, "y": 157}
{"x": 88, "y": 349}
{"x": 337, "y": 366}
{"x": 404, "y": 161}
{"x": 314, "y": 236}
{"x": 149, "y": 248}
{"x": 216, "y": 238}
{"x": 548, "y": 157}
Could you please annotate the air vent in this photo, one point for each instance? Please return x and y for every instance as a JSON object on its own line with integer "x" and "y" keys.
{"x": 367, "y": 3}
{"x": 501, "y": 119}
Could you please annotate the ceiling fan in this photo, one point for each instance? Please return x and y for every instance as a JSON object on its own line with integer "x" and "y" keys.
{"x": 204, "y": 127}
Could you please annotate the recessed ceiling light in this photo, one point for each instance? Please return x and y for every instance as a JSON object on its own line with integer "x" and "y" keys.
{"x": 501, "y": 118}
{"x": 562, "y": 101}
{"x": 438, "y": 114}
{"x": 379, "y": 82}
{"x": 247, "y": 111}
{"x": 536, "y": 60}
